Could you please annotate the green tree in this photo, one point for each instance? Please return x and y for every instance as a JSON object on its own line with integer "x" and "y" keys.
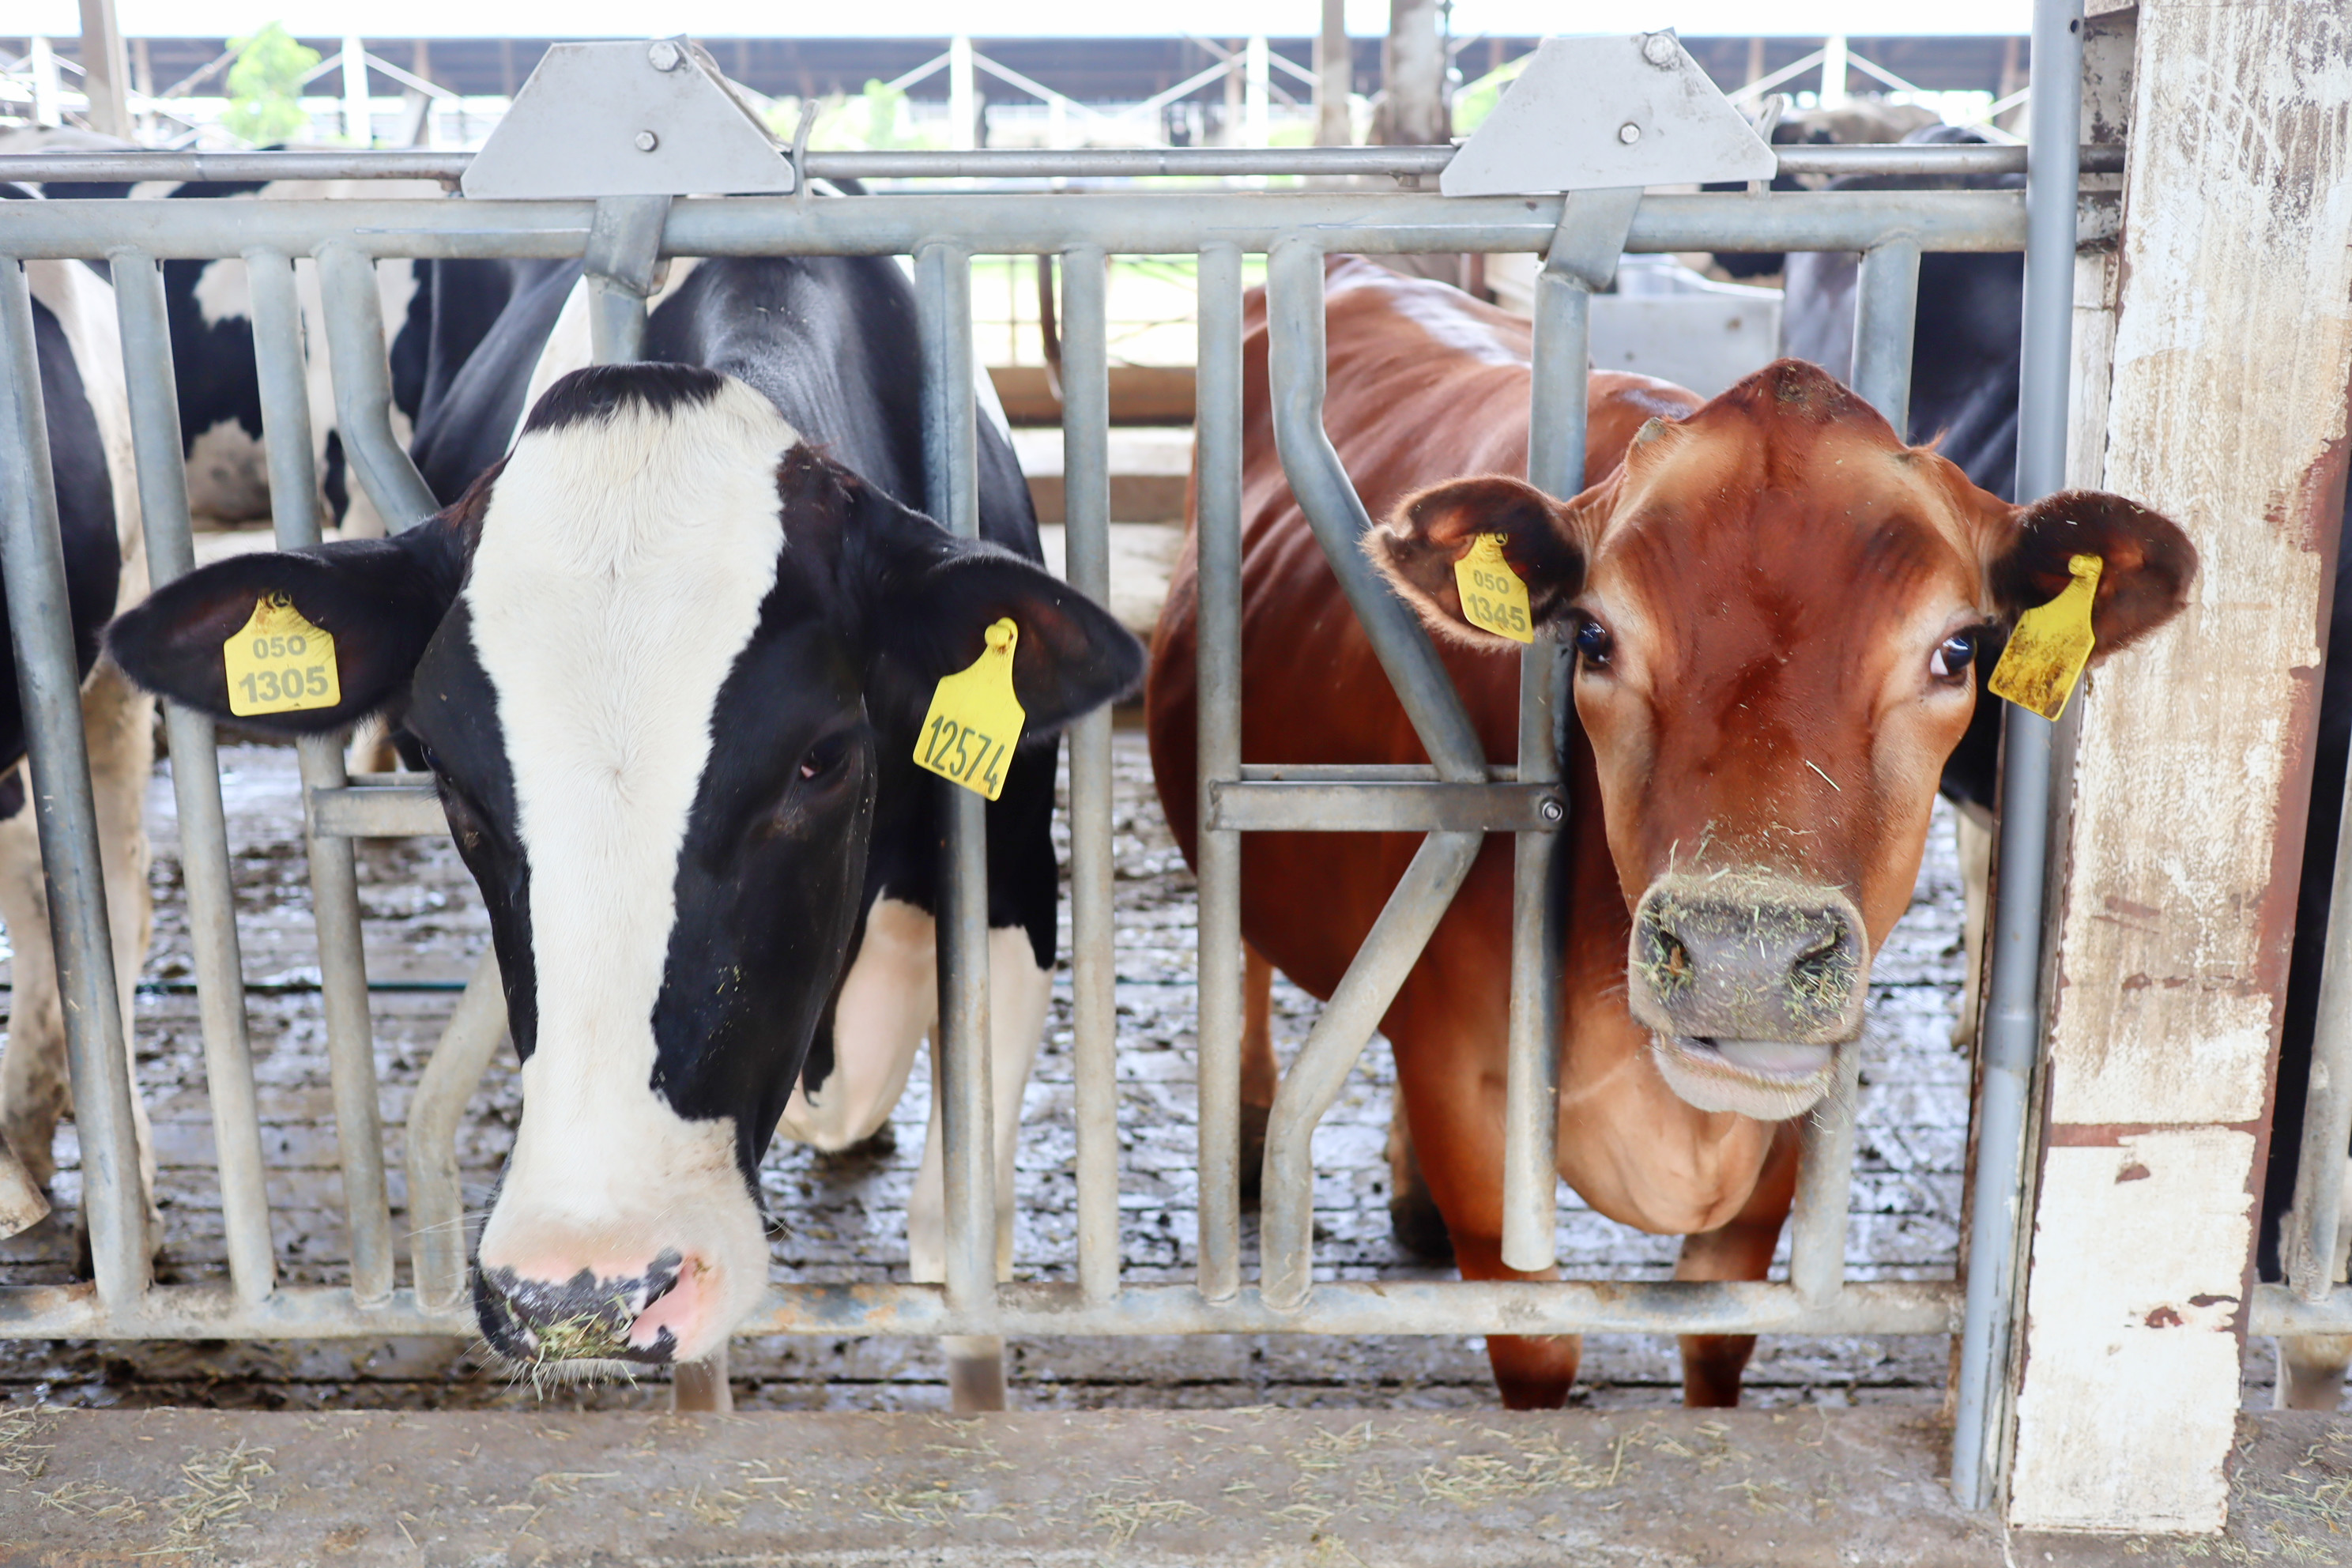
{"x": 264, "y": 87}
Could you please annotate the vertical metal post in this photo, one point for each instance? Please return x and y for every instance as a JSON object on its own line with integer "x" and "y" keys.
{"x": 195, "y": 787}
{"x": 49, "y": 685}
{"x": 362, "y": 375}
{"x": 621, "y": 263}
{"x": 1217, "y": 424}
{"x": 2013, "y": 1019}
{"x": 1556, "y": 425}
{"x": 2312, "y": 1228}
{"x": 1885, "y": 312}
{"x": 1085, "y": 486}
{"x": 952, "y": 484}
{"x": 334, "y": 873}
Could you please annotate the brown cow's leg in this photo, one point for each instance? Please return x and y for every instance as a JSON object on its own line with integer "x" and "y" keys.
{"x": 1261, "y": 1074}
{"x": 1533, "y": 1372}
{"x": 1414, "y": 1219}
{"x": 1740, "y": 1251}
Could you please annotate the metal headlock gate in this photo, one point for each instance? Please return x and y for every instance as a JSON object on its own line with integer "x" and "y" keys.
{"x": 1456, "y": 800}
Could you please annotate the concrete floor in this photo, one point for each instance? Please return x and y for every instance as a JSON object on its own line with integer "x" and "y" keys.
{"x": 1260, "y": 1487}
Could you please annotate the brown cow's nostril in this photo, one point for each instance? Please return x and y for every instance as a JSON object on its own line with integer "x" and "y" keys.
{"x": 1747, "y": 958}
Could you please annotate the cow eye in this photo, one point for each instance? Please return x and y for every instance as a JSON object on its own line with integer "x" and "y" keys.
{"x": 1954, "y": 656}
{"x": 1593, "y": 644}
{"x": 825, "y": 759}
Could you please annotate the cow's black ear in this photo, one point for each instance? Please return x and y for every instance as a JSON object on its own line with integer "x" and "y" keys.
{"x": 1070, "y": 658}
{"x": 381, "y": 599}
{"x": 1416, "y": 548}
{"x": 2149, "y": 563}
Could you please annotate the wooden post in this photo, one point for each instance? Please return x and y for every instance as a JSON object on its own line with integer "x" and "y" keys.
{"x": 102, "y": 68}
{"x": 1413, "y": 72}
{"x": 1335, "y": 77}
{"x": 2175, "y": 903}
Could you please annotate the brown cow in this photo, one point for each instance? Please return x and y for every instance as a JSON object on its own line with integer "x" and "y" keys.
{"x": 1771, "y": 598}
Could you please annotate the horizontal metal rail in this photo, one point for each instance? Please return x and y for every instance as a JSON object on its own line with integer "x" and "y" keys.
{"x": 1385, "y": 807}
{"x": 993, "y": 164}
{"x": 1408, "y": 1307}
{"x": 1029, "y": 223}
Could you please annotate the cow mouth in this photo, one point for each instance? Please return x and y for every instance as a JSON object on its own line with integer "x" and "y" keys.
{"x": 582, "y": 1328}
{"x": 1771, "y": 1081}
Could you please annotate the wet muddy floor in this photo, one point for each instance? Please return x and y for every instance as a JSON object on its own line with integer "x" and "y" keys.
{"x": 843, "y": 1218}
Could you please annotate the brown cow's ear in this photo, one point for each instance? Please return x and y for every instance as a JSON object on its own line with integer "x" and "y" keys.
{"x": 1416, "y": 547}
{"x": 2149, "y": 563}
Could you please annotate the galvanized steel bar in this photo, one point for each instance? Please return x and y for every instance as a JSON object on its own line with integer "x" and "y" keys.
{"x": 1030, "y": 224}
{"x": 984, "y": 163}
{"x": 49, "y": 685}
{"x": 196, "y": 788}
{"x": 2312, "y": 1232}
{"x": 1886, "y": 312}
{"x": 355, "y": 342}
{"x": 334, "y": 876}
{"x": 951, "y": 482}
{"x": 2012, "y": 1013}
{"x": 1388, "y": 808}
{"x": 1217, "y": 542}
{"x": 1817, "y": 1225}
{"x": 1094, "y": 1006}
{"x": 436, "y": 1208}
{"x": 620, "y": 265}
{"x": 2279, "y": 1310}
{"x": 1295, "y": 365}
{"x": 378, "y": 811}
{"x": 1414, "y": 1307}
{"x": 1286, "y": 1204}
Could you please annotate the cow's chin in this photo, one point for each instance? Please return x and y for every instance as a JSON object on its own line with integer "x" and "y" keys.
{"x": 1771, "y": 1081}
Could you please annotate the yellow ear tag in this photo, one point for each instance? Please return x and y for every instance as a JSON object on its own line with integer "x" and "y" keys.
{"x": 280, "y": 663}
{"x": 2051, "y": 644}
{"x": 1493, "y": 597}
{"x": 975, "y": 720}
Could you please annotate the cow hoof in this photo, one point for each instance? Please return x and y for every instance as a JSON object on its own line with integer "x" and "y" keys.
{"x": 1418, "y": 1228}
{"x": 1252, "y": 1172}
{"x": 879, "y": 1145}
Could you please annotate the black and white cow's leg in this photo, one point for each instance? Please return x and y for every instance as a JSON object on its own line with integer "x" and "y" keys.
{"x": 2311, "y": 1368}
{"x": 1972, "y": 833}
{"x": 1019, "y": 994}
{"x": 35, "y": 1087}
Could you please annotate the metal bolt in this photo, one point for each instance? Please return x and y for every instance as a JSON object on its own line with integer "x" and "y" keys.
{"x": 1551, "y": 810}
{"x": 646, "y": 141}
{"x": 666, "y": 55}
{"x": 1658, "y": 48}
{"x": 1629, "y": 133}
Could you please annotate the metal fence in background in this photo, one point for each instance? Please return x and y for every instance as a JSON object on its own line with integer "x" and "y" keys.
{"x": 1455, "y": 801}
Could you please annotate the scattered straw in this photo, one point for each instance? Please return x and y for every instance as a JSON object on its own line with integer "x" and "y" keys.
{"x": 219, "y": 1487}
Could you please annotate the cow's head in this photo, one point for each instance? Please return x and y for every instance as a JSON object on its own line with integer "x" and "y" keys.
{"x": 668, "y": 665}
{"x": 1773, "y": 601}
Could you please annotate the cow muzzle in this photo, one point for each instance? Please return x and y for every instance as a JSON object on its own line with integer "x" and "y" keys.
{"x": 593, "y": 1322}
{"x": 1751, "y": 984}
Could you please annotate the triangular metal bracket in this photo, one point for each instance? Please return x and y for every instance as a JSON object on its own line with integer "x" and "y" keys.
{"x": 1594, "y": 113}
{"x": 627, "y": 119}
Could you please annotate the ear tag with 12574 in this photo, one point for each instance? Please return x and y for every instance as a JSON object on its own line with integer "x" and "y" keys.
{"x": 280, "y": 663}
{"x": 974, "y": 719}
{"x": 2053, "y": 642}
{"x": 1493, "y": 597}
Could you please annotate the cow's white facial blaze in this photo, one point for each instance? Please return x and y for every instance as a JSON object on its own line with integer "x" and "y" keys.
{"x": 621, "y": 571}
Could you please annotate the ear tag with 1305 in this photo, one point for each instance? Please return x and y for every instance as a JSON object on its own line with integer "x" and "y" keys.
{"x": 280, "y": 663}
{"x": 1493, "y": 597}
{"x": 974, "y": 719}
{"x": 2053, "y": 642}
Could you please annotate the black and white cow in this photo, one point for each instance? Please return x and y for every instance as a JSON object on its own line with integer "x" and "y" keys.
{"x": 667, "y": 661}
{"x": 82, "y": 387}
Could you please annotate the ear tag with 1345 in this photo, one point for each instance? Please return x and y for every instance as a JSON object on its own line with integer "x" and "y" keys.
{"x": 2053, "y": 642}
{"x": 974, "y": 719}
{"x": 280, "y": 663}
{"x": 1493, "y": 597}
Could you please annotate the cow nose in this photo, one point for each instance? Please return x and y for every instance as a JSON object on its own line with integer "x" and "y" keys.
{"x": 536, "y": 1314}
{"x": 1749, "y": 964}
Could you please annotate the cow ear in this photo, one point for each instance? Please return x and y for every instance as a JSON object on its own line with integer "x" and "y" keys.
{"x": 381, "y": 599}
{"x": 1416, "y": 548}
{"x": 1070, "y": 657}
{"x": 2148, "y": 562}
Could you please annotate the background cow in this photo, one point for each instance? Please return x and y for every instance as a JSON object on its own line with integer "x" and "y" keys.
{"x": 82, "y": 390}
{"x": 1774, "y": 603}
{"x": 667, "y": 661}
